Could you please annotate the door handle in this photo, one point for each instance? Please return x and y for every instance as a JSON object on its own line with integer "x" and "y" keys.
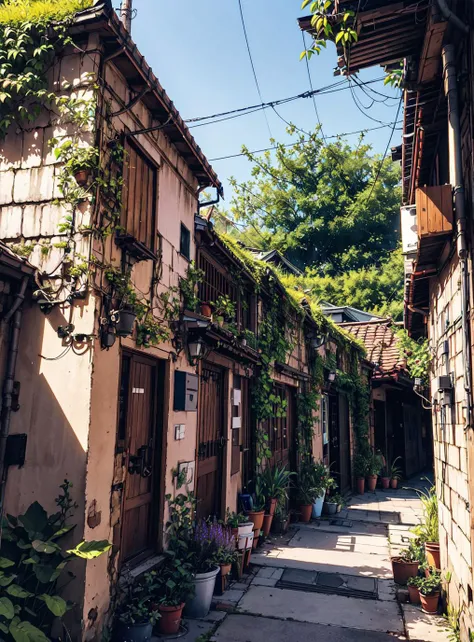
{"x": 223, "y": 442}
{"x": 140, "y": 464}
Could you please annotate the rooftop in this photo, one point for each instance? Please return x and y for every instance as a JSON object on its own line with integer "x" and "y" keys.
{"x": 380, "y": 342}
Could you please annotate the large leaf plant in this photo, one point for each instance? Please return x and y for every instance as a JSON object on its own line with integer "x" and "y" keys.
{"x": 32, "y": 568}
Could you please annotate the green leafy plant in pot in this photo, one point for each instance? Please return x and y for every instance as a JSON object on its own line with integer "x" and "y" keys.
{"x": 428, "y": 530}
{"x": 275, "y": 485}
{"x": 259, "y": 501}
{"x": 32, "y": 565}
{"x": 135, "y": 614}
{"x": 406, "y": 564}
{"x": 395, "y": 473}
{"x": 170, "y": 587}
{"x": 430, "y": 590}
{"x": 361, "y": 466}
{"x": 413, "y": 592}
{"x": 374, "y": 465}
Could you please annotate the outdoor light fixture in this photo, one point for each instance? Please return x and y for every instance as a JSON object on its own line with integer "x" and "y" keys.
{"x": 317, "y": 341}
{"x": 107, "y": 336}
{"x": 331, "y": 376}
{"x": 196, "y": 350}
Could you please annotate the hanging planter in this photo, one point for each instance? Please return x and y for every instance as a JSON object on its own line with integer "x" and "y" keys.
{"x": 81, "y": 176}
{"x": 125, "y": 322}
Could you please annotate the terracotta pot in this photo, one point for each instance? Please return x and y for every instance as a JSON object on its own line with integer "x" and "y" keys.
{"x": 255, "y": 541}
{"x": 82, "y": 176}
{"x": 403, "y": 570}
{"x": 225, "y": 569}
{"x": 385, "y": 482}
{"x": 414, "y": 594}
{"x": 256, "y": 516}
{"x": 170, "y": 619}
{"x": 429, "y": 603}
{"x": 235, "y": 533}
{"x": 267, "y": 524}
{"x": 306, "y": 510}
{"x": 360, "y": 485}
{"x": 394, "y": 483}
{"x": 371, "y": 482}
{"x": 432, "y": 554}
{"x": 206, "y": 310}
{"x": 272, "y": 505}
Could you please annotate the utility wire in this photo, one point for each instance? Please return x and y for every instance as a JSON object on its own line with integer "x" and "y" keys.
{"x": 268, "y": 149}
{"x": 244, "y": 28}
{"x": 310, "y": 80}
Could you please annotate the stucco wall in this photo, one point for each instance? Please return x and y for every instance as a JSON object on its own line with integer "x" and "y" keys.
{"x": 450, "y": 440}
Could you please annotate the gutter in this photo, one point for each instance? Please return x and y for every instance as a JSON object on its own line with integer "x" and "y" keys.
{"x": 14, "y": 313}
{"x": 456, "y": 180}
{"x": 451, "y": 17}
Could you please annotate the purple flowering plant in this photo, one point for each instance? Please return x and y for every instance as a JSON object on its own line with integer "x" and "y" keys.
{"x": 212, "y": 542}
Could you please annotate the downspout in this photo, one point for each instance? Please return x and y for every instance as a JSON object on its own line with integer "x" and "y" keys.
{"x": 451, "y": 17}
{"x": 456, "y": 180}
{"x": 126, "y": 14}
{"x": 15, "y": 313}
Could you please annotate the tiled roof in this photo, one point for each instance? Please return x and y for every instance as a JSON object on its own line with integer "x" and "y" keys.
{"x": 380, "y": 342}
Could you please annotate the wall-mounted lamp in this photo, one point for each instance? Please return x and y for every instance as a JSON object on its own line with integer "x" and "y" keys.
{"x": 196, "y": 350}
{"x": 317, "y": 341}
{"x": 331, "y": 376}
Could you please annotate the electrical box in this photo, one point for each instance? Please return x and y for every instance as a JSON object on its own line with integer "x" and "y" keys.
{"x": 443, "y": 383}
{"x": 16, "y": 450}
{"x": 190, "y": 468}
{"x": 185, "y": 391}
{"x": 179, "y": 431}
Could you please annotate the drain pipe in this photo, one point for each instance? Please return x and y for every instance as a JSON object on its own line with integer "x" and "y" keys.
{"x": 456, "y": 180}
{"x": 451, "y": 17}
{"x": 126, "y": 14}
{"x": 15, "y": 314}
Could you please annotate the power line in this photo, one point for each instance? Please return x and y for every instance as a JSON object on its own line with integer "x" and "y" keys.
{"x": 242, "y": 19}
{"x": 268, "y": 149}
{"x": 310, "y": 80}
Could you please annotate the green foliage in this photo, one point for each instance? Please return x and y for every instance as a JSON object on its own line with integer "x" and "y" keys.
{"x": 234, "y": 519}
{"x": 17, "y": 11}
{"x": 313, "y": 479}
{"x": 374, "y": 463}
{"x": 307, "y": 403}
{"x": 172, "y": 585}
{"x": 224, "y": 307}
{"x": 317, "y": 204}
{"x": 135, "y": 606}
{"x": 415, "y": 552}
{"x": 429, "y": 585}
{"x": 188, "y": 287}
{"x": 453, "y": 620}
{"x": 361, "y": 464}
{"x": 417, "y": 354}
{"x": 151, "y": 332}
{"x": 339, "y": 28}
{"x": 32, "y": 562}
{"x": 395, "y": 470}
{"x": 428, "y": 531}
{"x": 276, "y": 482}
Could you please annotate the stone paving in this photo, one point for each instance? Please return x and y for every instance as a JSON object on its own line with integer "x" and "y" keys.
{"x": 351, "y": 554}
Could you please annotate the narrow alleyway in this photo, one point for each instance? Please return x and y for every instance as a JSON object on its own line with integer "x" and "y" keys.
{"x": 332, "y": 579}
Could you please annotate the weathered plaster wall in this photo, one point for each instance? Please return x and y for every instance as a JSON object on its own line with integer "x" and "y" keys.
{"x": 450, "y": 440}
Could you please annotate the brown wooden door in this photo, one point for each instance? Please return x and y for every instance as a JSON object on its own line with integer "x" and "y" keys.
{"x": 211, "y": 441}
{"x": 138, "y": 423}
{"x": 281, "y": 431}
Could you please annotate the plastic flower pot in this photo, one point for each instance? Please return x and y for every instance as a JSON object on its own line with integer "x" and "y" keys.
{"x": 200, "y": 604}
{"x": 82, "y": 176}
{"x": 403, "y": 570}
{"x": 330, "y": 508}
{"x": 256, "y": 516}
{"x": 360, "y": 485}
{"x": 245, "y": 537}
{"x": 170, "y": 619}
{"x": 125, "y": 322}
{"x": 267, "y": 524}
{"x": 385, "y": 482}
{"x": 318, "y": 506}
{"x": 272, "y": 505}
{"x": 134, "y": 632}
{"x": 432, "y": 554}
{"x": 206, "y": 310}
{"x": 371, "y": 482}
{"x": 394, "y": 483}
{"x": 429, "y": 603}
{"x": 306, "y": 510}
{"x": 414, "y": 594}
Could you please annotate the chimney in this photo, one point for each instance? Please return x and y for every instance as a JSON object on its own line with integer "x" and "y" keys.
{"x": 126, "y": 14}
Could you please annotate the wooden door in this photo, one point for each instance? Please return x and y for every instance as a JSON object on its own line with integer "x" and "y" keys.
{"x": 211, "y": 440}
{"x": 344, "y": 445}
{"x": 248, "y": 445}
{"x": 137, "y": 427}
{"x": 281, "y": 431}
{"x": 334, "y": 452}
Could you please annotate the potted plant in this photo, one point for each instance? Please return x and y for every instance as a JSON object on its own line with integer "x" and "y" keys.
{"x": 281, "y": 520}
{"x": 333, "y": 504}
{"x": 407, "y": 563}
{"x": 305, "y": 492}
{"x": 360, "y": 471}
{"x": 430, "y": 590}
{"x": 374, "y": 464}
{"x": 135, "y": 616}
{"x": 224, "y": 309}
{"x": 275, "y": 481}
{"x": 170, "y": 587}
{"x": 226, "y": 553}
{"x": 385, "y": 477}
{"x": 203, "y": 546}
{"x": 206, "y": 309}
{"x": 257, "y": 513}
{"x": 413, "y": 592}
{"x": 79, "y": 162}
{"x": 395, "y": 473}
{"x": 428, "y": 531}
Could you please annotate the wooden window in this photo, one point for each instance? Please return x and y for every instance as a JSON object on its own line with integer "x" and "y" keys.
{"x": 185, "y": 242}
{"x": 139, "y": 195}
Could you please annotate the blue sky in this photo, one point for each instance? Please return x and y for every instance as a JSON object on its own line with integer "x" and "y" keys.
{"x": 198, "y": 52}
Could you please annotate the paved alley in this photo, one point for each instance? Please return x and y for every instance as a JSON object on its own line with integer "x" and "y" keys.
{"x": 333, "y": 578}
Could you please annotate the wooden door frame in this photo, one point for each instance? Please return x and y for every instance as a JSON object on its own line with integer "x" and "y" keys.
{"x": 157, "y": 418}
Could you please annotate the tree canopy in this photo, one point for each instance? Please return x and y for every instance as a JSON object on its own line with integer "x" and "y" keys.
{"x": 331, "y": 207}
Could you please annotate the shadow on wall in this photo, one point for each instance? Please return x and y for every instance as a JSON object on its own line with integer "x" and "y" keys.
{"x": 55, "y": 416}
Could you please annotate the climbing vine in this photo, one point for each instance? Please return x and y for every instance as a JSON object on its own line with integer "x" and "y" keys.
{"x": 417, "y": 355}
